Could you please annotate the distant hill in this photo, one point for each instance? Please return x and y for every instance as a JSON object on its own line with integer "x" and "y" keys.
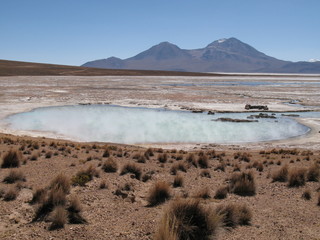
{"x": 15, "y": 68}
{"x": 224, "y": 55}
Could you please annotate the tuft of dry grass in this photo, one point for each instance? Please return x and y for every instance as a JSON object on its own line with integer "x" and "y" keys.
{"x": 131, "y": 168}
{"x": 203, "y": 161}
{"x": 297, "y": 177}
{"x": 14, "y": 176}
{"x": 61, "y": 181}
{"x": 186, "y": 219}
{"x": 221, "y": 192}
{"x": 234, "y": 214}
{"x": 205, "y": 173}
{"x": 162, "y": 157}
{"x": 85, "y": 175}
{"x": 74, "y": 210}
{"x": 39, "y": 196}
{"x": 59, "y": 218}
{"x": 11, "y": 194}
{"x": 306, "y": 194}
{"x": 203, "y": 193}
{"x": 103, "y": 184}
{"x": 12, "y": 159}
{"x": 243, "y": 184}
{"x": 158, "y": 193}
{"x": 313, "y": 173}
{"x": 281, "y": 175}
{"x": 318, "y": 199}
{"x": 110, "y": 165}
{"x": 178, "y": 181}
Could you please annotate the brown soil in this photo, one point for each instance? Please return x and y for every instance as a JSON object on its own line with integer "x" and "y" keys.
{"x": 279, "y": 212}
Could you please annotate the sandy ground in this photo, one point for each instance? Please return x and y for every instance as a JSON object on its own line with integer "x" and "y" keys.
{"x": 278, "y": 211}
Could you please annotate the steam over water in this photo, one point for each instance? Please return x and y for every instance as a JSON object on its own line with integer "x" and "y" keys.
{"x": 137, "y": 125}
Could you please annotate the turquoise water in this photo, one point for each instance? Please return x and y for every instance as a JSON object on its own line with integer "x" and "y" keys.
{"x": 117, "y": 124}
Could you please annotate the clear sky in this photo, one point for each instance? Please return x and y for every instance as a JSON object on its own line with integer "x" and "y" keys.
{"x": 73, "y": 32}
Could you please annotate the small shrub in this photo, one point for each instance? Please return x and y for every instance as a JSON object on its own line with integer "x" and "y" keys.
{"x": 106, "y": 153}
{"x": 188, "y": 220}
{"x": 103, "y": 185}
{"x": 281, "y": 175}
{"x": 48, "y": 154}
{"x": 61, "y": 181}
{"x": 14, "y": 176}
{"x": 149, "y": 152}
{"x": 131, "y": 168}
{"x": 297, "y": 177}
{"x": 59, "y": 218}
{"x": 205, "y": 173}
{"x": 234, "y": 214}
{"x": 84, "y": 176}
{"x": 110, "y": 165}
{"x": 74, "y": 210}
{"x": 191, "y": 159}
{"x": 221, "y": 192}
{"x": 204, "y": 193}
{"x": 11, "y": 194}
{"x": 313, "y": 173}
{"x": 203, "y": 161}
{"x": 243, "y": 184}
{"x": 158, "y": 193}
{"x": 12, "y": 159}
{"x": 178, "y": 181}
{"x": 306, "y": 194}
{"x": 39, "y": 196}
{"x": 162, "y": 157}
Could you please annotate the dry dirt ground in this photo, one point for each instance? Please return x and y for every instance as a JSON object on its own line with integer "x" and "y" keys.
{"x": 278, "y": 211}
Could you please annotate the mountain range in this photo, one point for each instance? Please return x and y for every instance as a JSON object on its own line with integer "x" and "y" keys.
{"x": 224, "y": 55}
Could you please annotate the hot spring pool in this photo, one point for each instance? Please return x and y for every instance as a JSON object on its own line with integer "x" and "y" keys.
{"x": 106, "y": 123}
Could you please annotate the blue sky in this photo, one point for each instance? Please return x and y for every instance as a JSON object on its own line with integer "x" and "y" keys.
{"x": 73, "y": 32}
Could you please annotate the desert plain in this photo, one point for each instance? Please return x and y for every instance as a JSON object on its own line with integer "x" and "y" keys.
{"x": 116, "y": 204}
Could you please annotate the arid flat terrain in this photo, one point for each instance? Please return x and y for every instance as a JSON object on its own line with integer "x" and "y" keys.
{"x": 278, "y": 182}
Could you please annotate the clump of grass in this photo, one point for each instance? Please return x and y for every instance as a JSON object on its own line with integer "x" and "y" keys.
{"x": 12, "y": 159}
{"x": 220, "y": 167}
{"x": 243, "y": 184}
{"x": 74, "y": 211}
{"x": 318, "y": 199}
{"x": 205, "y": 173}
{"x": 106, "y": 153}
{"x": 131, "y": 168}
{"x": 234, "y": 214}
{"x": 191, "y": 159}
{"x": 306, "y": 194}
{"x": 48, "y": 154}
{"x": 186, "y": 219}
{"x": 242, "y": 156}
{"x": 258, "y": 165}
{"x": 11, "y": 194}
{"x": 158, "y": 193}
{"x": 203, "y": 161}
{"x": 59, "y": 218}
{"x": 221, "y": 192}
{"x": 61, "y": 181}
{"x": 110, "y": 165}
{"x": 103, "y": 185}
{"x": 178, "y": 181}
{"x": 84, "y": 176}
{"x": 281, "y": 175}
{"x": 162, "y": 157}
{"x": 203, "y": 193}
{"x": 297, "y": 177}
{"x": 313, "y": 173}
{"x": 39, "y": 196}
{"x": 149, "y": 152}
{"x": 178, "y": 166}
{"x": 14, "y": 176}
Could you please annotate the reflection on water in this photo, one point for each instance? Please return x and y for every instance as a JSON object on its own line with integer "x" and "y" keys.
{"x": 107, "y": 123}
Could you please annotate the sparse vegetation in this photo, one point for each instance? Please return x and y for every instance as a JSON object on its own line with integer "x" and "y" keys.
{"x": 159, "y": 193}
{"x": 131, "y": 168}
{"x": 11, "y": 194}
{"x": 243, "y": 184}
{"x": 14, "y": 176}
{"x": 178, "y": 181}
{"x": 221, "y": 192}
{"x": 297, "y": 177}
{"x": 59, "y": 218}
{"x": 12, "y": 159}
{"x": 281, "y": 175}
{"x": 306, "y": 194}
{"x": 110, "y": 165}
{"x": 234, "y": 214}
{"x": 187, "y": 219}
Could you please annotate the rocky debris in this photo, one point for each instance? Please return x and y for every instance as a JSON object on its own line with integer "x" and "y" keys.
{"x": 233, "y": 120}
{"x": 261, "y": 115}
{"x": 259, "y": 107}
